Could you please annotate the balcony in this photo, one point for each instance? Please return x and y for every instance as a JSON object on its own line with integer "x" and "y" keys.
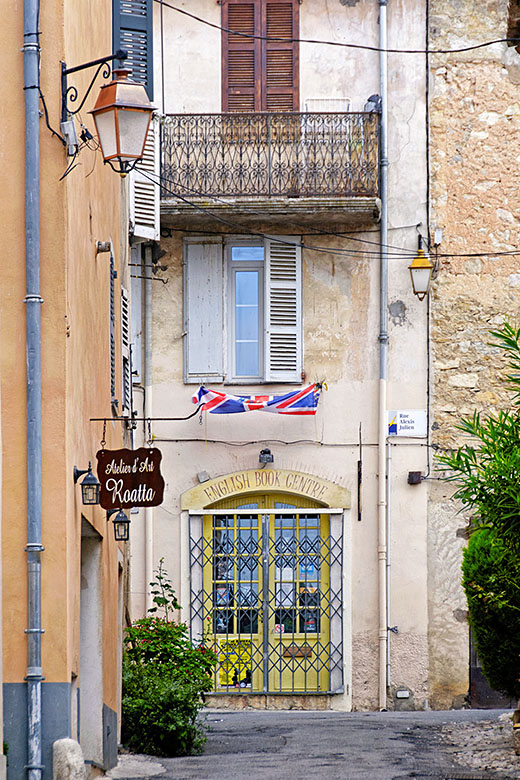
{"x": 266, "y": 166}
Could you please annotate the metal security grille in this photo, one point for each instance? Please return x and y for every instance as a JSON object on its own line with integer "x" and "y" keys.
{"x": 266, "y": 594}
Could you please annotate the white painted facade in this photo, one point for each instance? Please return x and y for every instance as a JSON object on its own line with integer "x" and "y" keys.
{"x": 340, "y": 332}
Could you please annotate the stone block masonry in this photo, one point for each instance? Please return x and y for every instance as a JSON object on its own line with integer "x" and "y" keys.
{"x": 475, "y": 200}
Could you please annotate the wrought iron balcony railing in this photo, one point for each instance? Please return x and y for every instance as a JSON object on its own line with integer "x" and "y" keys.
{"x": 270, "y": 154}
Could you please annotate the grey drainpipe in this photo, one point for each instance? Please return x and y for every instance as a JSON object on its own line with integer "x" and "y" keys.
{"x": 383, "y": 366}
{"x": 33, "y": 357}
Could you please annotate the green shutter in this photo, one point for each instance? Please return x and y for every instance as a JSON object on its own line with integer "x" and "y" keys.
{"x": 133, "y": 31}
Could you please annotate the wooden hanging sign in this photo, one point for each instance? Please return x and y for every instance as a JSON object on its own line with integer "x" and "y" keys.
{"x": 130, "y": 478}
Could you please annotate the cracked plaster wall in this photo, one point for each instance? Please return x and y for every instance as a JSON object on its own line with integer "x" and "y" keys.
{"x": 475, "y": 151}
{"x": 341, "y": 328}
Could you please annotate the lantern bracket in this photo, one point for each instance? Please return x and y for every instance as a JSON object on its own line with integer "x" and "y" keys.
{"x": 79, "y": 472}
{"x": 70, "y": 94}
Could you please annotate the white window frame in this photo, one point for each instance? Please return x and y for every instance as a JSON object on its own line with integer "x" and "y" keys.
{"x": 231, "y": 267}
{"x": 281, "y": 306}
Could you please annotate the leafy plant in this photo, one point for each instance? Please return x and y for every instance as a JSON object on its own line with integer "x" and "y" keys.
{"x": 490, "y": 581}
{"x": 164, "y": 679}
{"x": 163, "y": 593}
{"x": 487, "y": 470}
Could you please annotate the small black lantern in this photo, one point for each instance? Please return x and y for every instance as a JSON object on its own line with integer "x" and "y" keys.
{"x": 90, "y": 485}
{"x": 121, "y": 525}
{"x": 266, "y": 456}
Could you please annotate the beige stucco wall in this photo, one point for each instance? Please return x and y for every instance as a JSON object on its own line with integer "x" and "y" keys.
{"x": 75, "y": 213}
{"x": 474, "y": 141}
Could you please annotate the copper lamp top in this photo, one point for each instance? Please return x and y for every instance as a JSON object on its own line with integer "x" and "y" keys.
{"x": 121, "y": 92}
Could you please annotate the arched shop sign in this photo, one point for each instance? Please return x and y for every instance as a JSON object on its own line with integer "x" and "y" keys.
{"x": 130, "y": 478}
{"x": 296, "y": 483}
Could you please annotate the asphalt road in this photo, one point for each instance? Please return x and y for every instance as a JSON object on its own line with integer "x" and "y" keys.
{"x": 295, "y": 745}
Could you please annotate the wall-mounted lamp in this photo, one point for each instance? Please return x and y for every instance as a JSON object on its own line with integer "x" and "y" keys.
{"x": 122, "y": 114}
{"x": 266, "y": 456}
{"x": 421, "y": 270}
{"x": 90, "y": 485}
{"x": 121, "y": 525}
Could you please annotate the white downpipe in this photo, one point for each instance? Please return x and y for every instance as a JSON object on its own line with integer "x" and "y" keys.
{"x": 148, "y": 512}
{"x": 383, "y": 366}
{"x": 388, "y": 557}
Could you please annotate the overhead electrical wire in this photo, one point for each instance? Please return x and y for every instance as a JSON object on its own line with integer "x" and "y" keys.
{"x": 318, "y": 443}
{"x": 249, "y": 231}
{"x": 365, "y": 47}
{"x": 172, "y": 229}
{"x": 403, "y": 254}
{"x": 315, "y": 231}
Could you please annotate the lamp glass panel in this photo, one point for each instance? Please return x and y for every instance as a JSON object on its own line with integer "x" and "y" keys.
{"x": 106, "y": 130}
{"x": 90, "y": 493}
{"x": 133, "y": 126}
{"x": 421, "y": 279}
{"x": 121, "y": 531}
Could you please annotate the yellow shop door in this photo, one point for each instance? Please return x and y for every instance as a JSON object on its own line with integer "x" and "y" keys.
{"x": 267, "y": 596}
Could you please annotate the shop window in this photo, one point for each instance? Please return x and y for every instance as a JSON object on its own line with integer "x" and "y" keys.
{"x": 266, "y": 594}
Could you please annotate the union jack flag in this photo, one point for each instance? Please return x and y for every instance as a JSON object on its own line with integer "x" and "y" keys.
{"x": 298, "y": 402}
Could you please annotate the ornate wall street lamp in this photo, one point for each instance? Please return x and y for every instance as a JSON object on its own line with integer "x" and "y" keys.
{"x": 122, "y": 114}
{"x": 421, "y": 271}
{"x": 90, "y": 485}
{"x": 121, "y": 525}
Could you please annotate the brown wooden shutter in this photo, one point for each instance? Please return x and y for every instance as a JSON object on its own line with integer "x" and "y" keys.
{"x": 241, "y": 60}
{"x": 260, "y": 75}
{"x": 280, "y": 58}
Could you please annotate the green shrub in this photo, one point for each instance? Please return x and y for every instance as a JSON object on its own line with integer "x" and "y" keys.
{"x": 486, "y": 470}
{"x": 164, "y": 680}
{"x": 490, "y": 580}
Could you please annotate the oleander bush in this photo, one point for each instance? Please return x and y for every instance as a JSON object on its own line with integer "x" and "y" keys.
{"x": 164, "y": 680}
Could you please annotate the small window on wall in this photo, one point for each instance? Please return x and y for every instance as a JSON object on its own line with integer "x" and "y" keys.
{"x": 138, "y": 271}
{"x": 112, "y": 330}
{"x": 242, "y": 305}
{"x": 126, "y": 358}
{"x": 260, "y": 55}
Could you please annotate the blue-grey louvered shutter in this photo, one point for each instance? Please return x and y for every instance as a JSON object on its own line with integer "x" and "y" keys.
{"x": 133, "y": 31}
{"x": 203, "y": 311}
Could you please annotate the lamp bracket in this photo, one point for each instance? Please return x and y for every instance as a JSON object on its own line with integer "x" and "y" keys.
{"x": 79, "y": 473}
{"x": 70, "y": 94}
{"x": 127, "y": 167}
{"x": 111, "y": 512}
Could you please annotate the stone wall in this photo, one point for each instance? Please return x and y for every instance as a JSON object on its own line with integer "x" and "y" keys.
{"x": 475, "y": 152}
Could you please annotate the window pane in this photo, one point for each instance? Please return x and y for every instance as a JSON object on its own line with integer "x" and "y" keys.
{"x": 247, "y": 359}
{"x": 246, "y": 288}
{"x": 251, "y": 253}
{"x": 247, "y": 323}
